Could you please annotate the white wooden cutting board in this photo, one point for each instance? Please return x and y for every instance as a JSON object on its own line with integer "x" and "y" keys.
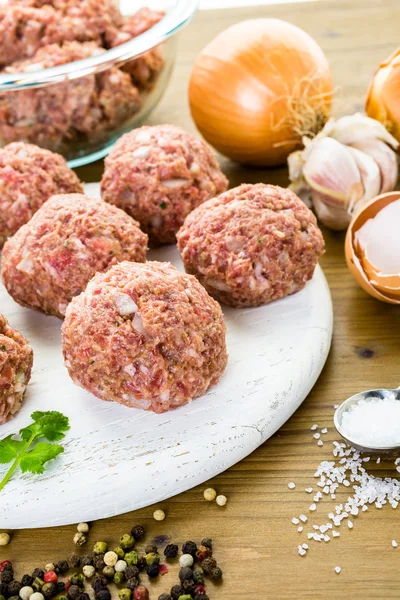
{"x": 118, "y": 459}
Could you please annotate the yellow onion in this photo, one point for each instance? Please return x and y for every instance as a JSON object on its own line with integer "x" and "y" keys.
{"x": 257, "y": 88}
{"x": 383, "y": 96}
{"x": 372, "y": 248}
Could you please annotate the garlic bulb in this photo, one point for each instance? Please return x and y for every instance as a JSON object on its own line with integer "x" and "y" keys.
{"x": 348, "y": 163}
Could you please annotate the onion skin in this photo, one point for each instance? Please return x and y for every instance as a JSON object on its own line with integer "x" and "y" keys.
{"x": 369, "y": 211}
{"x": 383, "y": 96}
{"x": 254, "y": 85}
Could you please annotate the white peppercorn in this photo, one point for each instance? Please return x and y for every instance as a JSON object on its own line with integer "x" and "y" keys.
{"x": 221, "y": 500}
{"x": 25, "y": 592}
{"x": 79, "y": 539}
{"x": 4, "y": 539}
{"x": 120, "y": 566}
{"x": 186, "y": 560}
{"x": 110, "y": 558}
{"x": 83, "y": 527}
{"x": 209, "y": 494}
{"x": 88, "y": 571}
{"x": 159, "y": 515}
{"x": 37, "y": 596}
{"x": 49, "y": 567}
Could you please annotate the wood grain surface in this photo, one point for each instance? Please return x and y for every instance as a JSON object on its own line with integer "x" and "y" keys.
{"x": 255, "y": 541}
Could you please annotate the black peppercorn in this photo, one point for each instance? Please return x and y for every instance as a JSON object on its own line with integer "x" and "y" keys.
{"x": 171, "y": 551}
{"x": 7, "y": 576}
{"x": 99, "y": 583}
{"x": 208, "y": 564}
{"x": 176, "y": 591}
{"x": 215, "y": 573}
{"x": 132, "y": 583}
{"x": 74, "y": 561}
{"x": 189, "y": 586}
{"x": 150, "y": 548}
{"x": 84, "y": 596}
{"x": 198, "y": 575}
{"x": 131, "y": 571}
{"x": 152, "y": 571}
{"x": 3, "y": 589}
{"x": 74, "y": 592}
{"x": 207, "y": 542}
{"x": 103, "y": 595}
{"x": 189, "y": 548}
{"x": 165, "y": 597}
{"x": 49, "y": 590}
{"x": 27, "y": 580}
{"x": 141, "y": 563}
{"x": 60, "y": 587}
{"x": 14, "y": 588}
{"x": 185, "y": 573}
{"x": 138, "y": 532}
{"x": 87, "y": 560}
{"x": 62, "y": 567}
{"x": 201, "y": 597}
{"x": 98, "y": 562}
{"x": 38, "y": 573}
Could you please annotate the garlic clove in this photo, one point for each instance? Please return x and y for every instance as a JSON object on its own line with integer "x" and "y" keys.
{"x": 332, "y": 172}
{"x": 386, "y": 160}
{"x": 355, "y": 128}
{"x": 370, "y": 176}
{"x": 334, "y": 217}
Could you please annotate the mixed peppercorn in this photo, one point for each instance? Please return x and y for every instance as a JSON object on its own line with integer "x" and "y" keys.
{"x": 121, "y": 566}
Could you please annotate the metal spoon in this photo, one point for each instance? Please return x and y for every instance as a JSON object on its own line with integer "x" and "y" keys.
{"x": 379, "y": 394}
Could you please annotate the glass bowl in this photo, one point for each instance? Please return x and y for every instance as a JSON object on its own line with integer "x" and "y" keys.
{"x": 48, "y": 107}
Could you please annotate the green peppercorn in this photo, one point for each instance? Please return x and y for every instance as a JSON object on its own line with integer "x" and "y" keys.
{"x": 152, "y": 558}
{"x": 14, "y": 598}
{"x": 124, "y": 594}
{"x": 198, "y": 576}
{"x": 49, "y": 590}
{"x": 78, "y": 579}
{"x": 127, "y": 541}
{"x": 131, "y": 558}
{"x": 100, "y": 548}
{"x": 62, "y": 597}
{"x": 185, "y": 597}
{"x": 119, "y": 552}
{"x": 119, "y": 578}
{"x": 2, "y": 598}
{"x": 37, "y": 584}
{"x": 109, "y": 572}
{"x": 215, "y": 573}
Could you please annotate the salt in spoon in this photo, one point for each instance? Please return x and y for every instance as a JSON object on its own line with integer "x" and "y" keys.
{"x": 370, "y": 394}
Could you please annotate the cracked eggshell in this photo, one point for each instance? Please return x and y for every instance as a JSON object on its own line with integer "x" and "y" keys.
{"x": 382, "y": 287}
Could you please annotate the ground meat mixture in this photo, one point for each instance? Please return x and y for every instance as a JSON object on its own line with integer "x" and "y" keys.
{"x": 159, "y": 175}
{"x": 143, "y": 70}
{"x": 146, "y": 336}
{"x": 16, "y": 358}
{"x": 89, "y": 106}
{"x": 252, "y": 245}
{"x": 51, "y": 259}
{"x": 29, "y": 175}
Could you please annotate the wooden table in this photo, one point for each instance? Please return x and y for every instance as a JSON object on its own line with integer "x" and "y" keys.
{"x": 255, "y": 541}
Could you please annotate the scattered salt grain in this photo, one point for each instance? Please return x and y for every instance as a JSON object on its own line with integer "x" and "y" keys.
{"x": 335, "y": 533}
{"x": 374, "y": 422}
{"x": 309, "y": 490}
{"x": 300, "y": 529}
{"x": 350, "y": 524}
{"x": 312, "y": 507}
{"x": 324, "y": 430}
{"x": 394, "y": 544}
{"x": 301, "y": 551}
{"x": 303, "y": 518}
{"x": 291, "y": 485}
{"x": 314, "y": 427}
{"x": 338, "y": 569}
{"x": 305, "y": 546}
{"x": 317, "y": 436}
{"x": 320, "y": 443}
{"x": 295, "y": 521}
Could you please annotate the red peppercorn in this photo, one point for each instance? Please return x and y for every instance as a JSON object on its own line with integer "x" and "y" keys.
{"x": 141, "y": 593}
{"x": 200, "y": 589}
{"x": 67, "y": 584}
{"x": 163, "y": 569}
{"x": 3, "y": 563}
{"x": 50, "y": 577}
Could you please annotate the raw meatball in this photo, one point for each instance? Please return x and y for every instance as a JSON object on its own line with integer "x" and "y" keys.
{"x": 29, "y": 175}
{"x": 21, "y": 31}
{"x": 251, "y": 245}
{"x": 146, "y": 336}
{"x": 90, "y": 106}
{"x": 51, "y": 259}
{"x": 159, "y": 175}
{"x": 16, "y": 358}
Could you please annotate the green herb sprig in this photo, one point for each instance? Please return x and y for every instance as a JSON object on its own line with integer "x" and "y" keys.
{"x": 28, "y": 452}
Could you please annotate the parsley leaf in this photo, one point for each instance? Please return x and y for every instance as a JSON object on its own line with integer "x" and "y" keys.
{"x": 34, "y": 460}
{"x": 29, "y": 453}
{"x": 9, "y": 449}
